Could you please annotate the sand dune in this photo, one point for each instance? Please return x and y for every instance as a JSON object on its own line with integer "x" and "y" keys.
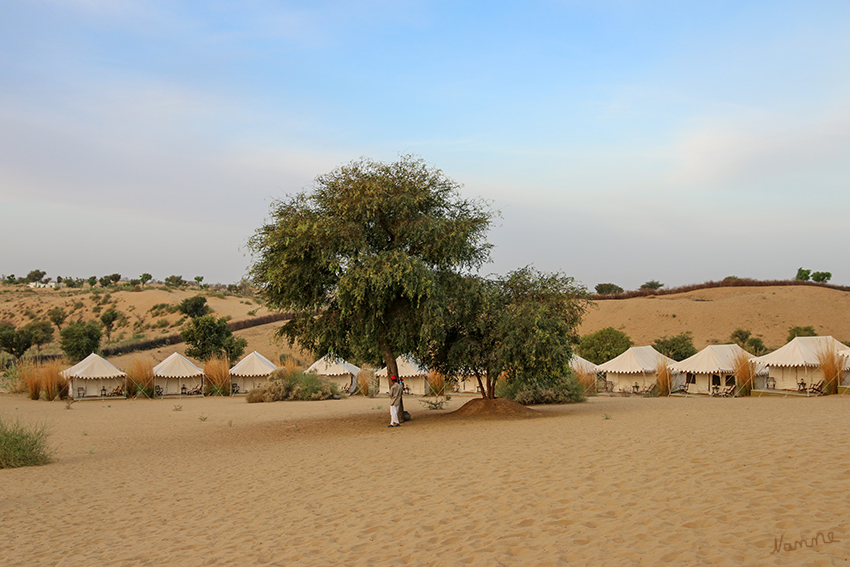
{"x": 662, "y": 482}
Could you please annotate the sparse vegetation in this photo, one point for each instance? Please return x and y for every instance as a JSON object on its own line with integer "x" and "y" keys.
{"x": 23, "y": 446}
{"x": 608, "y": 288}
{"x": 807, "y": 331}
{"x": 217, "y": 372}
{"x": 285, "y": 385}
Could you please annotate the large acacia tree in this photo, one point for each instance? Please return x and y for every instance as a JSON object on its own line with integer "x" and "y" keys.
{"x": 365, "y": 258}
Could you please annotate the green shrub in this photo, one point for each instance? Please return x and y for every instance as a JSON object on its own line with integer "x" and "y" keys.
{"x": 284, "y": 385}
{"x": 541, "y": 390}
{"x": 22, "y": 446}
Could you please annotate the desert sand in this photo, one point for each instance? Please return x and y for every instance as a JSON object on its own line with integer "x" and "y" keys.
{"x": 614, "y": 481}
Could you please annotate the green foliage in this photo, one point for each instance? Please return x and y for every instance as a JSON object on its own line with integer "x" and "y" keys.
{"x": 23, "y": 446}
{"x": 542, "y": 389}
{"x": 652, "y": 284}
{"x": 108, "y": 319}
{"x": 522, "y": 325}
{"x": 41, "y": 332}
{"x": 678, "y": 347}
{"x": 208, "y": 336}
{"x": 803, "y": 275}
{"x": 15, "y": 341}
{"x": 57, "y": 316}
{"x": 603, "y": 345}
{"x": 744, "y": 339}
{"x": 36, "y": 275}
{"x": 145, "y": 278}
{"x": 807, "y": 331}
{"x": 821, "y": 277}
{"x": 608, "y": 288}
{"x": 175, "y": 281}
{"x": 194, "y": 307}
{"x": 78, "y": 340}
{"x": 284, "y": 385}
{"x": 364, "y": 260}
{"x": 92, "y": 281}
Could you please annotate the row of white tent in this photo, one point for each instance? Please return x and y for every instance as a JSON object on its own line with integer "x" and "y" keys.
{"x": 796, "y": 363}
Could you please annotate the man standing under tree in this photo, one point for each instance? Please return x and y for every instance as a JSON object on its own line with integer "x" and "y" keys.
{"x": 395, "y": 401}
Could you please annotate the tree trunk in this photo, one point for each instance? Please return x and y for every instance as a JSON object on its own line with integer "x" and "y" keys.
{"x": 481, "y": 385}
{"x": 392, "y": 370}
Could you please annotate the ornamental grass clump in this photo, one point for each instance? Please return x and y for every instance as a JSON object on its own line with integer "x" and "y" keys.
{"x": 665, "y": 379}
{"x": 140, "y": 378}
{"x": 830, "y": 365}
{"x": 52, "y": 383}
{"x": 31, "y": 376}
{"x": 22, "y": 446}
{"x": 367, "y": 383}
{"x": 436, "y": 384}
{"x": 587, "y": 380}
{"x": 745, "y": 375}
{"x": 217, "y": 372}
{"x": 284, "y": 385}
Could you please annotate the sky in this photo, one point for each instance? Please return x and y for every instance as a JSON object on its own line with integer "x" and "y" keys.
{"x": 619, "y": 141}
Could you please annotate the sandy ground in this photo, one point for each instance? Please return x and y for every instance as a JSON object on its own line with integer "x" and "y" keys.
{"x": 615, "y": 481}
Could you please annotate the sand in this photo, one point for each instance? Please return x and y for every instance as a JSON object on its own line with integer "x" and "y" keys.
{"x": 614, "y": 481}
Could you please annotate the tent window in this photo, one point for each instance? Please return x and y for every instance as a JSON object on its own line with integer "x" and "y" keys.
{"x": 691, "y": 378}
{"x": 715, "y": 380}
{"x": 730, "y": 380}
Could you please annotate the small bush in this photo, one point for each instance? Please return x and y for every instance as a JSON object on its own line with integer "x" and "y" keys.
{"x": 541, "y": 390}
{"x": 22, "y": 446}
{"x": 284, "y": 385}
{"x": 12, "y": 381}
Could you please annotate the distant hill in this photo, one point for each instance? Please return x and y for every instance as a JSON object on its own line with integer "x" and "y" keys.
{"x": 712, "y": 314}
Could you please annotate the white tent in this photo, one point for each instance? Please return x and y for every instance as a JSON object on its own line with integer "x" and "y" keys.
{"x": 798, "y": 362}
{"x": 713, "y": 368}
{"x": 635, "y": 370}
{"x": 93, "y": 376}
{"x": 582, "y": 365}
{"x": 176, "y": 375}
{"x": 337, "y": 370}
{"x": 251, "y": 372}
{"x": 414, "y": 376}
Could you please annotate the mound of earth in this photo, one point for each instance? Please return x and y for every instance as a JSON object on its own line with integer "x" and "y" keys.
{"x": 497, "y": 407}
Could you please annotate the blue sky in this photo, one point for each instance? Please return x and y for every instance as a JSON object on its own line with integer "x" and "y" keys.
{"x": 622, "y": 141}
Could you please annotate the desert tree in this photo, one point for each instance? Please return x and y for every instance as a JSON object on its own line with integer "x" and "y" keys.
{"x": 36, "y": 275}
{"x": 57, "y": 316}
{"x": 208, "y": 336}
{"x": 608, "y": 288}
{"x": 604, "y": 344}
{"x": 364, "y": 258}
{"x": 145, "y": 278}
{"x": 806, "y": 331}
{"x": 744, "y": 339}
{"x": 194, "y": 307}
{"x": 652, "y": 284}
{"x": 78, "y": 340}
{"x": 821, "y": 277}
{"x": 803, "y": 275}
{"x": 15, "y": 341}
{"x": 520, "y": 327}
{"x": 678, "y": 347}
{"x": 175, "y": 281}
{"x": 41, "y": 332}
{"x": 108, "y": 318}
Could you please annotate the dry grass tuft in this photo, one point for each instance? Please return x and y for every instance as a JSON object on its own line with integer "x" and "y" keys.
{"x": 831, "y": 367}
{"x": 587, "y": 380}
{"x": 291, "y": 365}
{"x": 52, "y": 383}
{"x": 31, "y": 376}
{"x": 217, "y": 371}
{"x": 140, "y": 377}
{"x": 745, "y": 374}
{"x": 436, "y": 384}
{"x": 366, "y": 383}
{"x": 665, "y": 378}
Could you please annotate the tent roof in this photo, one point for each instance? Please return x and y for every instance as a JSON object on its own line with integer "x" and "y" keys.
{"x": 255, "y": 364}
{"x": 92, "y": 367}
{"x": 330, "y": 365}
{"x": 177, "y": 366}
{"x": 711, "y": 360}
{"x": 406, "y": 368}
{"x": 636, "y": 360}
{"x": 579, "y": 363}
{"x": 803, "y": 351}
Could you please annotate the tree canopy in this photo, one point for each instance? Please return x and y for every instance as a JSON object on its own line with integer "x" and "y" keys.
{"x": 195, "y": 306}
{"x": 604, "y": 344}
{"x": 365, "y": 259}
{"x": 15, "y": 341}
{"x": 678, "y": 347}
{"x": 805, "y": 331}
{"x": 208, "y": 336}
{"x": 608, "y": 288}
{"x": 78, "y": 340}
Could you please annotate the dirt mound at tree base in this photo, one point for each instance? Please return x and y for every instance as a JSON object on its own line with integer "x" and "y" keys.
{"x": 497, "y": 407}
